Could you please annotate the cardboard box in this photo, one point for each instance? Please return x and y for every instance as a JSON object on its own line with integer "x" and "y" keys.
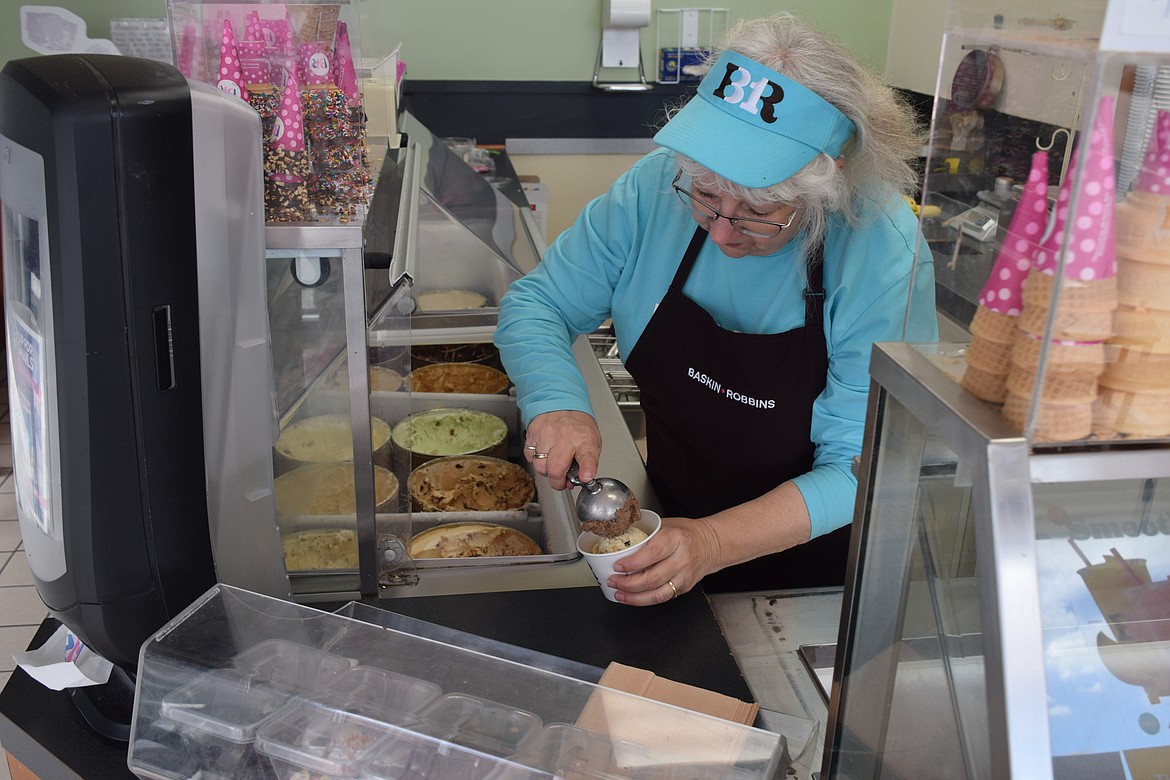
{"x": 666, "y": 732}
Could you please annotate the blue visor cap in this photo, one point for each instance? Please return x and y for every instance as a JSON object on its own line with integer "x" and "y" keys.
{"x": 754, "y": 126}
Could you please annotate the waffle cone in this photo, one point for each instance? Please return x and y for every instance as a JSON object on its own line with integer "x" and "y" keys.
{"x": 1088, "y": 357}
{"x": 1054, "y": 421}
{"x": 990, "y": 356}
{"x": 1142, "y": 222}
{"x": 1058, "y": 388}
{"x": 1075, "y": 295}
{"x": 1138, "y": 370}
{"x": 1143, "y": 285}
{"x": 1134, "y": 414}
{"x": 1144, "y": 329}
{"x": 994, "y": 326}
{"x": 984, "y": 385}
{"x": 1068, "y": 325}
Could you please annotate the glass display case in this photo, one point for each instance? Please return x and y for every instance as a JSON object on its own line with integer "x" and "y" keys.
{"x": 1043, "y": 200}
{"x": 1007, "y": 611}
{"x": 385, "y": 260}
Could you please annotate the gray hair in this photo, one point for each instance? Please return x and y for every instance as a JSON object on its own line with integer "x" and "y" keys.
{"x": 881, "y": 153}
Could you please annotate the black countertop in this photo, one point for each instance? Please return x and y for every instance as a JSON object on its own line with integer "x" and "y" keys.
{"x": 680, "y": 640}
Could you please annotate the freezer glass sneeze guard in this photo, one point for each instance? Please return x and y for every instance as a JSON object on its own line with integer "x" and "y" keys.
{"x": 1011, "y": 617}
{"x": 384, "y": 254}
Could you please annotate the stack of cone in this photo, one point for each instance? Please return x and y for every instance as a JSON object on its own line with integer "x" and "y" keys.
{"x": 993, "y": 329}
{"x": 1075, "y": 271}
{"x": 230, "y": 76}
{"x": 1135, "y": 388}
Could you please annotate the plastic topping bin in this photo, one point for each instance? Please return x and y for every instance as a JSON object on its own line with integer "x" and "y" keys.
{"x": 479, "y": 724}
{"x": 218, "y": 714}
{"x": 223, "y": 692}
{"x": 409, "y": 755}
{"x": 311, "y": 739}
{"x": 290, "y": 665}
{"x": 399, "y": 698}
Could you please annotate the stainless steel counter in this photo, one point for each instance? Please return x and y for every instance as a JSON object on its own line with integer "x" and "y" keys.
{"x": 765, "y": 632}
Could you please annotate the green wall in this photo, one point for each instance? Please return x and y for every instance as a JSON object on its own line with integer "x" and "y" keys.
{"x": 509, "y": 40}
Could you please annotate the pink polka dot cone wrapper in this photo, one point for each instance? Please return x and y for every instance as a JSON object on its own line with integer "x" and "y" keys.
{"x": 1002, "y": 292}
{"x": 1084, "y": 232}
{"x": 253, "y": 30}
{"x": 1155, "y": 173}
{"x": 288, "y": 128}
{"x": 230, "y": 77}
{"x": 345, "y": 76}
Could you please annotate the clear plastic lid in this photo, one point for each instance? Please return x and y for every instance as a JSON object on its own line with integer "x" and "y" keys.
{"x": 290, "y": 665}
{"x": 226, "y": 703}
{"x": 397, "y": 697}
{"x": 309, "y": 734}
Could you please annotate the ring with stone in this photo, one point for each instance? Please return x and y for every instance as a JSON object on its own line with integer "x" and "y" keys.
{"x": 530, "y": 447}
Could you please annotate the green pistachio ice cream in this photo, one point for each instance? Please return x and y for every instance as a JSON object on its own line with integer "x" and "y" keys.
{"x": 450, "y": 432}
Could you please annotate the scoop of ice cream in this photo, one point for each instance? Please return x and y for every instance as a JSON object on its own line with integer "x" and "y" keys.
{"x": 620, "y": 542}
{"x": 627, "y": 514}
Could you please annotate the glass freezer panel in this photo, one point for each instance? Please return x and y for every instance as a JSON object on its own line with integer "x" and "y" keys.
{"x": 1103, "y": 551}
{"x": 913, "y": 687}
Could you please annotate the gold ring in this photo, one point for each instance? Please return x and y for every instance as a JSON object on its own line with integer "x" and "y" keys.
{"x": 673, "y": 589}
{"x": 540, "y": 455}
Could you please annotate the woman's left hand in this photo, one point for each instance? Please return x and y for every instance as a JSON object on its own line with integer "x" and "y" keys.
{"x": 680, "y": 554}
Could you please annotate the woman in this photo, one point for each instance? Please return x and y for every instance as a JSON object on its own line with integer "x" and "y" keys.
{"x": 748, "y": 267}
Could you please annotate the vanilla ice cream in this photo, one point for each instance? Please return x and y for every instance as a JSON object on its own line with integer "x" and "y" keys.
{"x": 620, "y": 542}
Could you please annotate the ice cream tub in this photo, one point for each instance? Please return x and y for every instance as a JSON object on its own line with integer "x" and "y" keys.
{"x": 457, "y": 378}
{"x": 472, "y": 540}
{"x": 470, "y": 483}
{"x": 327, "y": 438}
{"x": 441, "y": 432}
{"x": 482, "y": 353}
{"x": 328, "y": 489}
{"x": 612, "y": 550}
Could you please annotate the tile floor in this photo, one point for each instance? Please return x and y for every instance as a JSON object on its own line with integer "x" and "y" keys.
{"x": 21, "y": 609}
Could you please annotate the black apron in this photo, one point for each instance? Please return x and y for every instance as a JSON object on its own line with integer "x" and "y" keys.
{"x": 728, "y": 417}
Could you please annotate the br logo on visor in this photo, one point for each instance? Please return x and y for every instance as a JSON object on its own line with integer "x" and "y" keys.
{"x": 735, "y": 85}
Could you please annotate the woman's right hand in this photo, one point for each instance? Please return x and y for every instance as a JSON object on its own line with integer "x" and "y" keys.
{"x": 555, "y": 439}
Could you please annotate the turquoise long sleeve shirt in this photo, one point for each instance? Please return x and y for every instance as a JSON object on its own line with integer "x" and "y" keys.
{"x": 619, "y": 257}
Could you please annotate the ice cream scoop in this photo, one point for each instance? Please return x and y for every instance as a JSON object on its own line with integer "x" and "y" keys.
{"x": 605, "y": 505}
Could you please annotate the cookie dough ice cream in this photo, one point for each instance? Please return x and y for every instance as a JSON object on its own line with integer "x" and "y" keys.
{"x": 471, "y": 483}
{"x": 457, "y": 378}
{"x": 471, "y": 540}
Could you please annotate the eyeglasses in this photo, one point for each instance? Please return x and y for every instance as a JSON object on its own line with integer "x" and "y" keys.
{"x": 706, "y": 214}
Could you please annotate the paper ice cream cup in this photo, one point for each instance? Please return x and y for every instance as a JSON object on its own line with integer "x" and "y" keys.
{"x": 602, "y": 563}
